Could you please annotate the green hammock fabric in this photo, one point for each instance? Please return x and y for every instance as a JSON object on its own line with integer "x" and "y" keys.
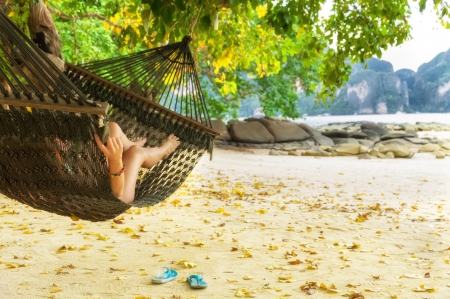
{"x": 49, "y": 159}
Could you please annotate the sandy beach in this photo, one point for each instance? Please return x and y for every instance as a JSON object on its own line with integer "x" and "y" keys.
{"x": 253, "y": 225}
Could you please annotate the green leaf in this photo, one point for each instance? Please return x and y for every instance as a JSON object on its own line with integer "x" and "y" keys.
{"x": 234, "y": 4}
{"x": 155, "y": 5}
{"x": 166, "y": 14}
{"x": 254, "y": 3}
{"x": 162, "y": 31}
{"x": 422, "y": 5}
{"x": 180, "y": 5}
{"x": 205, "y": 22}
{"x": 146, "y": 18}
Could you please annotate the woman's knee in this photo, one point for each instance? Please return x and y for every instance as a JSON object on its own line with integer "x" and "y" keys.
{"x": 134, "y": 151}
{"x": 113, "y": 126}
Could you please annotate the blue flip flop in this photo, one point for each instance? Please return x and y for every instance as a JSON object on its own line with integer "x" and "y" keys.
{"x": 196, "y": 281}
{"x": 165, "y": 276}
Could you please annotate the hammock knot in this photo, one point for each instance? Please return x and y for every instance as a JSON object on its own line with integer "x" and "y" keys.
{"x": 187, "y": 39}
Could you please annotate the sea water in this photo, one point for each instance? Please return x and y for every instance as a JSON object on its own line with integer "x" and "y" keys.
{"x": 443, "y": 118}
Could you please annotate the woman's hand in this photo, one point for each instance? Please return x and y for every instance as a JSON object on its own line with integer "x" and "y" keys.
{"x": 113, "y": 150}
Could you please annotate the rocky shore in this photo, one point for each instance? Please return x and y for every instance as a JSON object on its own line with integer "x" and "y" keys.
{"x": 365, "y": 140}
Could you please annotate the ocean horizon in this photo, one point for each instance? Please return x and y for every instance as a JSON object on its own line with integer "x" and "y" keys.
{"x": 410, "y": 118}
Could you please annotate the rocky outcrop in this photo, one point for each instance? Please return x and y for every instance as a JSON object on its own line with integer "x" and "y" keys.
{"x": 380, "y": 66}
{"x": 364, "y": 140}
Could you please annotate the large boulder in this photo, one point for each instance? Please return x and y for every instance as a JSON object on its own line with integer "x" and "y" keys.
{"x": 358, "y": 135}
{"x": 372, "y": 135}
{"x": 417, "y": 140}
{"x": 323, "y": 140}
{"x": 393, "y": 135}
{"x": 445, "y": 145}
{"x": 348, "y": 148}
{"x": 399, "y": 150}
{"x": 411, "y": 134}
{"x": 310, "y": 130}
{"x": 335, "y": 134}
{"x": 345, "y": 140}
{"x": 283, "y": 131}
{"x": 429, "y": 148}
{"x": 399, "y": 141}
{"x": 408, "y": 127}
{"x": 219, "y": 126}
{"x": 374, "y": 127}
{"x": 249, "y": 132}
{"x": 367, "y": 143}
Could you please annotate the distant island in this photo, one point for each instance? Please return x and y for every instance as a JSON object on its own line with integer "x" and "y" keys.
{"x": 377, "y": 89}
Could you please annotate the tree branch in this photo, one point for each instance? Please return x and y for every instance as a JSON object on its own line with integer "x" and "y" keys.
{"x": 83, "y": 16}
{"x": 216, "y": 88}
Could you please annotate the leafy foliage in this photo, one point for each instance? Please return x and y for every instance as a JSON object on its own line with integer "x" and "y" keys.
{"x": 85, "y": 41}
{"x": 255, "y": 37}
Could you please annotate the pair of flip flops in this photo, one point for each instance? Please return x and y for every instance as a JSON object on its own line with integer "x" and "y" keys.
{"x": 165, "y": 274}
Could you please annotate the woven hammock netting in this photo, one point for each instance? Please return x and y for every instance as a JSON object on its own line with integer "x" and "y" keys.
{"x": 48, "y": 117}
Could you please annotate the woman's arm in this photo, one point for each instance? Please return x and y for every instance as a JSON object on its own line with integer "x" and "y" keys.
{"x": 117, "y": 177}
{"x": 113, "y": 152}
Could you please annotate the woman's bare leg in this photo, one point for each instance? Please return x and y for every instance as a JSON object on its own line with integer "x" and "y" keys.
{"x": 116, "y": 131}
{"x": 136, "y": 157}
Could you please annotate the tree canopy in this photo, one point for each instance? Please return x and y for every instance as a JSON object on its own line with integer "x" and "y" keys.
{"x": 244, "y": 47}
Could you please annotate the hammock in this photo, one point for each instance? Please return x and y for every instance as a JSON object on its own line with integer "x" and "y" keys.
{"x": 47, "y": 121}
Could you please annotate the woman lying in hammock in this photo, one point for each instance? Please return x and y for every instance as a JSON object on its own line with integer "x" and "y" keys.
{"x": 120, "y": 151}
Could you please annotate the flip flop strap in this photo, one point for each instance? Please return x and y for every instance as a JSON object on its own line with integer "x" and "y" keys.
{"x": 167, "y": 270}
{"x": 198, "y": 278}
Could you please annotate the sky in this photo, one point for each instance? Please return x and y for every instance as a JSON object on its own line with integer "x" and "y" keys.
{"x": 429, "y": 38}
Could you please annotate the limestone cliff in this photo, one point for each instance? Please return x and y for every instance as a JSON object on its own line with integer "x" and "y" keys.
{"x": 431, "y": 89}
{"x": 375, "y": 89}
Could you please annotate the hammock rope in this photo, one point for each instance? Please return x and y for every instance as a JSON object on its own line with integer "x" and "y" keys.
{"x": 167, "y": 71}
{"x": 48, "y": 118}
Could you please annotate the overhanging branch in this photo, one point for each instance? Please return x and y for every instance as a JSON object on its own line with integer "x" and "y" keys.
{"x": 83, "y": 16}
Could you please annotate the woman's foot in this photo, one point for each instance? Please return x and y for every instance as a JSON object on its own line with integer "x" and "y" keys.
{"x": 152, "y": 155}
{"x": 170, "y": 145}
